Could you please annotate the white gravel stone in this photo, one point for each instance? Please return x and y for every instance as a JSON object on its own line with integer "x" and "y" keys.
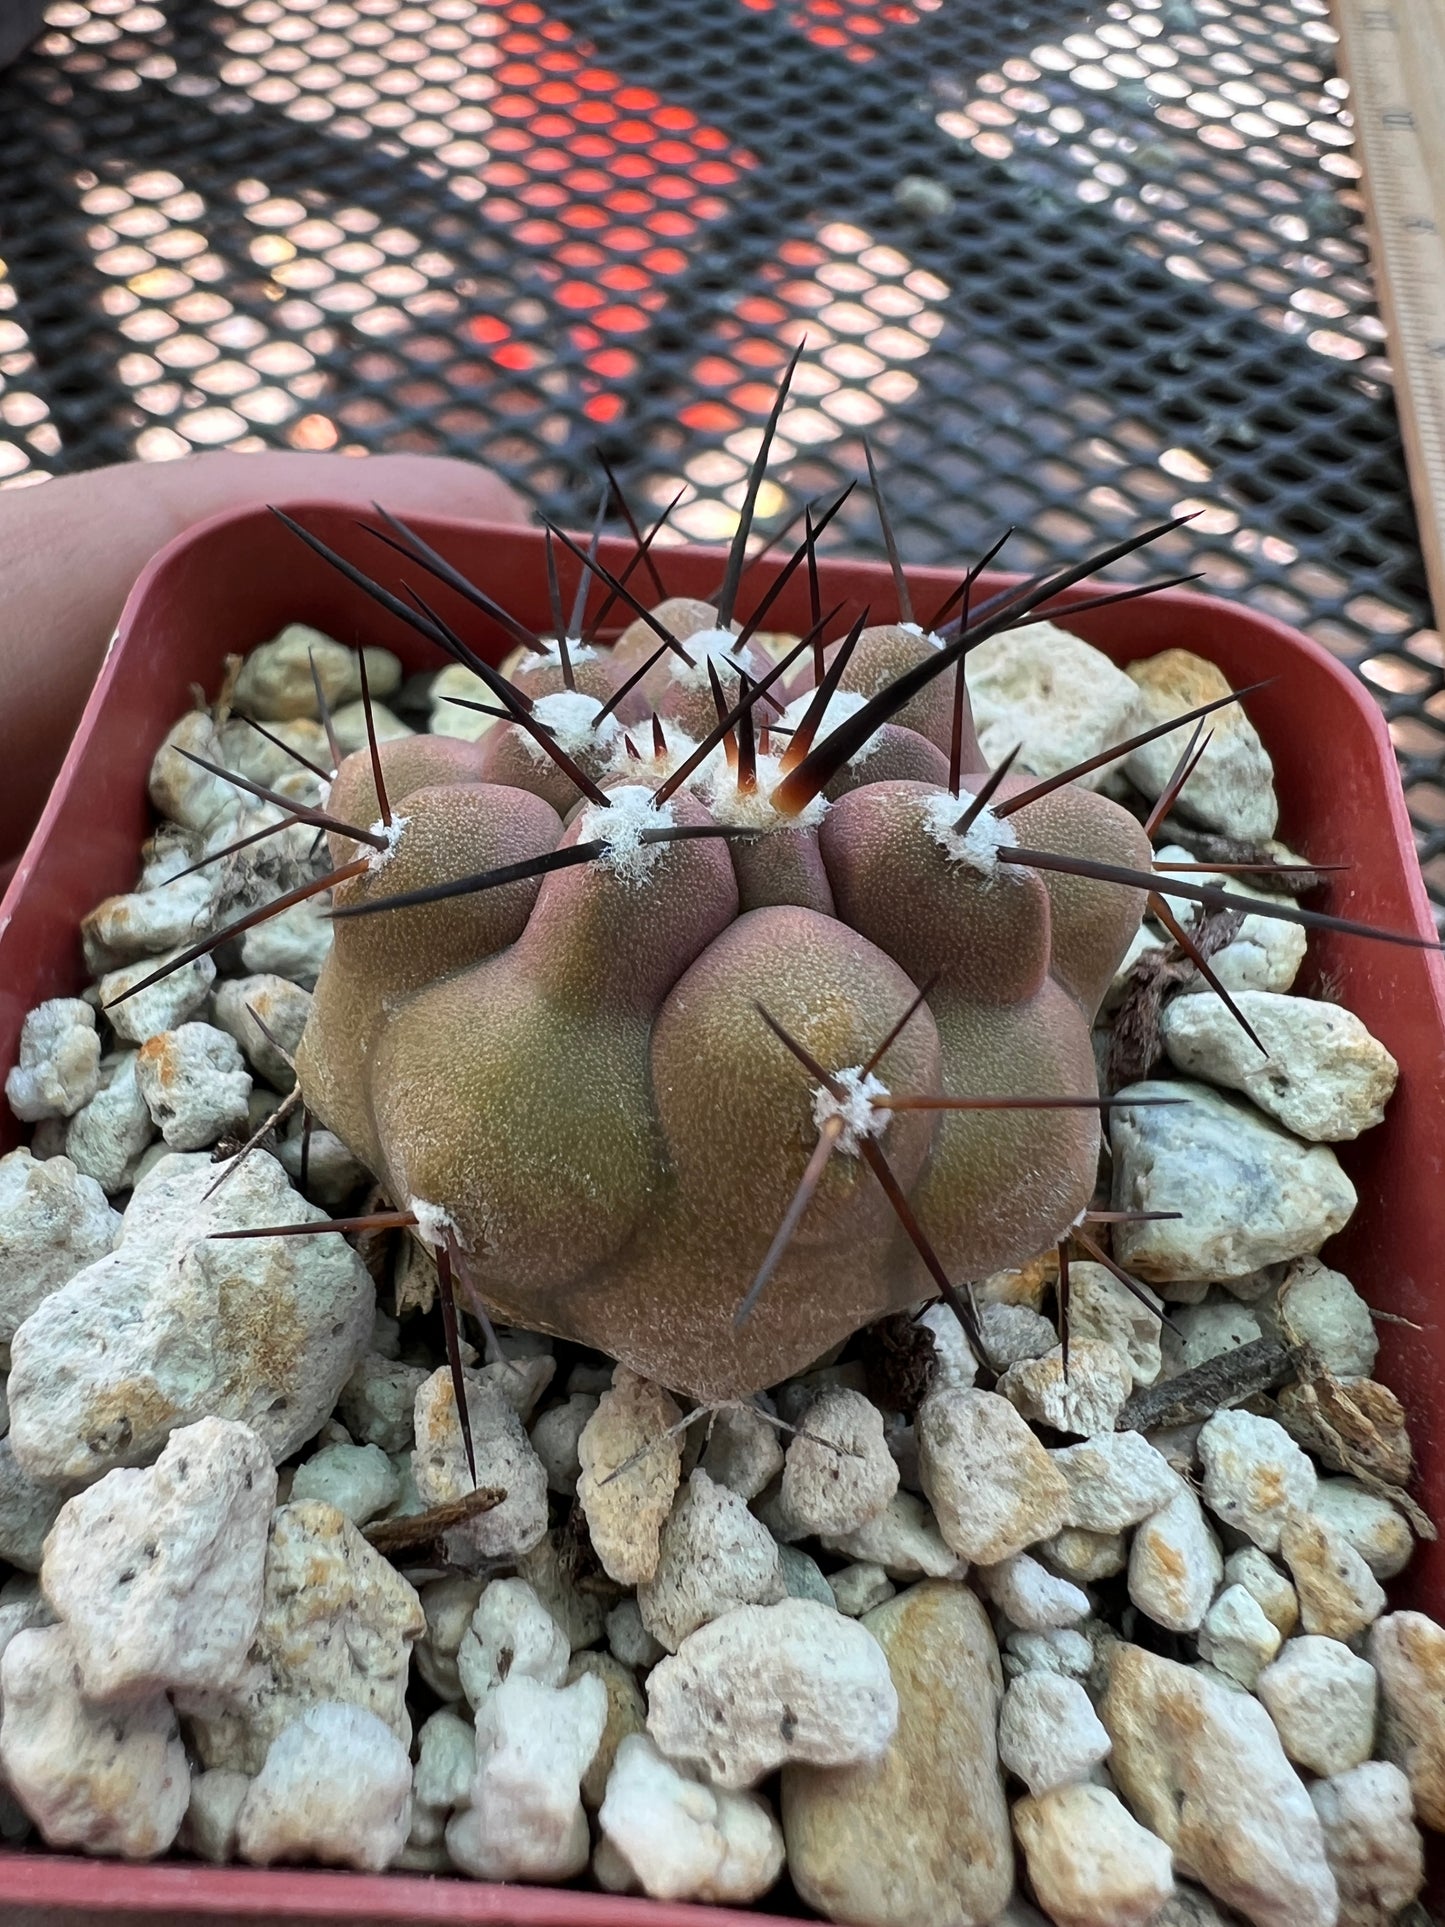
{"x": 108, "y": 1780}
{"x": 282, "y": 1007}
{"x": 294, "y": 944}
{"x": 629, "y": 1640}
{"x": 142, "y": 923}
{"x": 1115, "y": 1480}
{"x": 332, "y": 1173}
{"x": 511, "y": 1636}
{"x": 742, "y": 1449}
{"x": 58, "y": 1068}
{"x": 1014, "y": 1333}
{"x": 1232, "y": 787}
{"x": 1084, "y": 1556}
{"x": 681, "y": 1840}
{"x": 1219, "y": 1325}
{"x": 276, "y": 685}
{"x": 175, "y": 1325}
{"x": 992, "y": 1484}
{"x": 1102, "y": 1309}
{"x": 1338, "y": 1594}
{"x": 446, "y": 1761}
{"x": 209, "y": 1828}
{"x": 335, "y": 1787}
{"x": 625, "y": 1509}
{"x": 1089, "y": 1860}
{"x": 955, "y": 1367}
{"x": 448, "y": 718}
{"x": 857, "y": 1589}
{"x": 626, "y": 1713}
{"x": 158, "y": 1575}
{"x": 359, "y": 1480}
{"x": 714, "y": 1556}
{"x": 28, "y": 1509}
{"x": 1321, "y": 1697}
{"x": 1373, "y": 1845}
{"x": 337, "y": 1623}
{"x": 170, "y": 1002}
{"x": 556, "y": 1434}
{"x": 378, "y": 1402}
{"x": 106, "y": 1137}
{"x": 1064, "y": 1651}
{"x": 178, "y": 788}
{"x": 249, "y": 753}
{"x": 448, "y": 1604}
{"x": 1236, "y": 1638}
{"x": 1203, "y": 1767}
{"x": 1248, "y": 1193}
{"x": 1374, "y": 1527}
{"x": 1085, "y": 1400}
{"x": 904, "y": 1540}
{"x": 349, "y": 722}
{"x": 53, "y": 1223}
{"x": 504, "y": 1459}
{"x": 837, "y": 1471}
{"x": 1320, "y": 1307}
{"x": 803, "y": 1576}
{"x": 768, "y": 1684}
{"x": 550, "y": 1569}
{"x": 1258, "y": 1574}
{"x": 534, "y": 1743}
{"x": 1058, "y": 697}
{"x": 195, "y": 1085}
{"x": 1030, "y": 1596}
{"x": 1324, "y": 1076}
{"x": 1255, "y": 1475}
{"x": 1048, "y": 1732}
{"x": 1407, "y": 1650}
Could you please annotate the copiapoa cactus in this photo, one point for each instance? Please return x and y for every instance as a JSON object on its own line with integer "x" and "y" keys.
{"x": 711, "y": 1006}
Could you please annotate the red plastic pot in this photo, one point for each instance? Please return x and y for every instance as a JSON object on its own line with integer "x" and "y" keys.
{"x": 233, "y": 582}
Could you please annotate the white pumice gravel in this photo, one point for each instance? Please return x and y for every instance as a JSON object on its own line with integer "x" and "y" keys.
{"x": 919, "y": 1606}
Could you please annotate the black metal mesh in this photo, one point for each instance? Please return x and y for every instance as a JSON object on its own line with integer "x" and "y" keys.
{"x": 1070, "y": 267}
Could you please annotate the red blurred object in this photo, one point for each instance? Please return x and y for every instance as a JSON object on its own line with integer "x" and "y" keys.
{"x": 233, "y": 582}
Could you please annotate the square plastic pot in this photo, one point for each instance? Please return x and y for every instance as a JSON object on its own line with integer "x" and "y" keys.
{"x": 235, "y": 581}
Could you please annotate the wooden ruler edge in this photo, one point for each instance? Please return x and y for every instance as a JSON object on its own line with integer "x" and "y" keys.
{"x": 1392, "y": 53}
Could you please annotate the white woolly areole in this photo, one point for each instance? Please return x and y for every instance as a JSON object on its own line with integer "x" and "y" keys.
{"x": 571, "y": 716}
{"x": 980, "y": 844}
{"x": 930, "y": 636}
{"x": 842, "y": 704}
{"x": 753, "y": 809}
{"x": 379, "y": 859}
{"x": 855, "y": 1107}
{"x": 713, "y": 646}
{"x": 551, "y": 655}
{"x": 434, "y": 1223}
{"x": 620, "y": 827}
{"x": 658, "y": 768}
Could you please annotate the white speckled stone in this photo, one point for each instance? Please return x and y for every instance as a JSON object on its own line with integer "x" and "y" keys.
{"x": 1056, "y": 696}
{"x": 335, "y": 1786}
{"x": 1248, "y": 1193}
{"x": 359, "y": 1480}
{"x": 837, "y": 1471}
{"x": 992, "y": 1484}
{"x": 511, "y": 1636}
{"x": 158, "y": 1574}
{"x": 1236, "y": 1638}
{"x": 162, "y": 1006}
{"x": 1089, "y": 1860}
{"x": 682, "y": 1840}
{"x": 107, "y": 1780}
{"x": 766, "y": 1684}
{"x": 714, "y": 1556}
{"x": 1321, "y": 1697}
{"x": 1320, "y": 1307}
{"x": 626, "y": 1509}
{"x": 58, "y": 1067}
{"x": 1325, "y": 1077}
{"x": 1175, "y": 1563}
{"x": 1085, "y": 1400}
{"x": 504, "y": 1459}
{"x": 1048, "y": 1732}
{"x": 1232, "y": 787}
{"x": 1373, "y": 1844}
{"x": 53, "y": 1223}
{"x": 195, "y": 1085}
{"x": 534, "y": 1743}
{"x": 1115, "y": 1480}
{"x": 1031, "y": 1597}
{"x": 1255, "y": 1475}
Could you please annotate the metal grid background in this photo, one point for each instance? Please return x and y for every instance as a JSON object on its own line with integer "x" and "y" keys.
{"x": 1072, "y": 267}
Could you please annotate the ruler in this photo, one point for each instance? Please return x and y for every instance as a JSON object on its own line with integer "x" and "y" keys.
{"x": 1392, "y": 52}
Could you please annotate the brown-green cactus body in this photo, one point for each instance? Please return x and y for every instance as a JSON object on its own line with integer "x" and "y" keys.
{"x": 572, "y": 1079}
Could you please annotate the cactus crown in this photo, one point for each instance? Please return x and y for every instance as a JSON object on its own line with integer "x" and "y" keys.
{"x": 710, "y": 1005}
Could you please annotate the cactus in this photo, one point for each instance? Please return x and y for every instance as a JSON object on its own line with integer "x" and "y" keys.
{"x": 710, "y": 1007}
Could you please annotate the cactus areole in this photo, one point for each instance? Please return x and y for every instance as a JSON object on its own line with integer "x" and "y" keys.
{"x": 670, "y": 1039}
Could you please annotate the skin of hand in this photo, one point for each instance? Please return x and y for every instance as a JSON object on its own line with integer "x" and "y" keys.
{"x": 71, "y": 548}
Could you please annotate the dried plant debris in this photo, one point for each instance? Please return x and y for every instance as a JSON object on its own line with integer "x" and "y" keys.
{"x": 880, "y": 1420}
